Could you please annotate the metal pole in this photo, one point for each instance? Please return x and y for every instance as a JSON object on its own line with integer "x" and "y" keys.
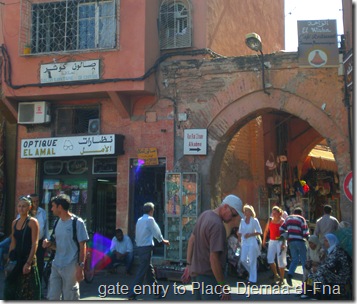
{"x": 263, "y": 72}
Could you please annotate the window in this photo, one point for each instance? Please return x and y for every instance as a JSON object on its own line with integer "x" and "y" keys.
{"x": 72, "y": 25}
{"x": 175, "y": 24}
{"x": 75, "y": 121}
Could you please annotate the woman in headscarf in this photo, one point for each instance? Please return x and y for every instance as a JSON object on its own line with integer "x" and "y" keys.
{"x": 335, "y": 271}
{"x": 249, "y": 229}
{"x": 315, "y": 254}
{"x": 23, "y": 283}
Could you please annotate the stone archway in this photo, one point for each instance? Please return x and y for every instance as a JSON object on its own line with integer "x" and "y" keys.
{"x": 237, "y": 113}
{"x": 223, "y": 94}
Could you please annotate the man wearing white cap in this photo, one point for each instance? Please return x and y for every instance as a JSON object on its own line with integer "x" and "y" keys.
{"x": 207, "y": 249}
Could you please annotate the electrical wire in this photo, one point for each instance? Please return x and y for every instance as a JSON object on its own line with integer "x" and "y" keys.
{"x": 151, "y": 70}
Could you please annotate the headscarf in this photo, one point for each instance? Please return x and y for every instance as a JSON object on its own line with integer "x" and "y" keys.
{"x": 314, "y": 253}
{"x": 332, "y": 240}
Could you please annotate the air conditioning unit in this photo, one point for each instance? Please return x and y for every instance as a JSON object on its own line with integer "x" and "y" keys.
{"x": 94, "y": 126}
{"x": 36, "y": 112}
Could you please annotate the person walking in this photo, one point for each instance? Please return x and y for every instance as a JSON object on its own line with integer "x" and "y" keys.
{"x": 146, "y": 230}
{"x": 326, "y": 224}
{"x": 277, "y": 246}
{"x": 121, "y": 250}
{"x": 249, "y": 229}
{"x": 297, "y": 230}
{"x": 23, "y": 282}
{"x": 40, "y": 214}
{"x": 4, "y": 249}
{"x": 68, "y": 264}
{"x": 207, "y": 248}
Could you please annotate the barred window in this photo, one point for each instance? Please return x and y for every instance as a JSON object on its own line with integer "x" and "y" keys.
{"x": 175, "y": 24}
{"x": 72, "y": 25}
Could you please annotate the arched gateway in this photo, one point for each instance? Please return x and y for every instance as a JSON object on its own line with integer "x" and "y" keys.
{"x": 224, "y": 95}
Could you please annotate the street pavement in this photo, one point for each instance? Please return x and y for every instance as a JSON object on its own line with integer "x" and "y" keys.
{"x": 107, "y": 286}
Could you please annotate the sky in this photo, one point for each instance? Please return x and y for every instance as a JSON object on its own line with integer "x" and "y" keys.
{"x": 309, "y": 10}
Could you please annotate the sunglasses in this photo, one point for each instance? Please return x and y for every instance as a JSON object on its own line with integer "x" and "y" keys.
{"x": 25, "y": 198}
{"x": 234, "y": 214}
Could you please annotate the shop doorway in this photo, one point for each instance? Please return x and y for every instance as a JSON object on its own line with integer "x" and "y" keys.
{"x": 103, "y": 213}
{"x": 147, "y": 184}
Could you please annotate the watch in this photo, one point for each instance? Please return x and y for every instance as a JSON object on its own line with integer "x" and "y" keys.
{"x": 81, "y": 264}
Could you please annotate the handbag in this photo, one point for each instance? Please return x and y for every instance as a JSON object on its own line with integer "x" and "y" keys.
{"x": 275, "y": 179}
{"x": 9, "y": 267}
{"x": 270, "y": 163}
{"x": 12, "y": 266}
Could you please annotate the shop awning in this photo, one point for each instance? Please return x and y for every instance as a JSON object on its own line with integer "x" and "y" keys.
{"x": 322, "y": 160}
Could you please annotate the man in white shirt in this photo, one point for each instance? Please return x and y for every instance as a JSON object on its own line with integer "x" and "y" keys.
{"x": 326, "y": 224}
{"x": 121, "y": 250}
{"x": 146, "y": 230}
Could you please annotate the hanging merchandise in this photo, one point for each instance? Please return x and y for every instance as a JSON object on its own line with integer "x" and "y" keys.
{"x": 324, "y": 187}
{"x": 282, "y": 158}
{"x": 275, "y": 179}
{"x": 270, "y": 163}
{"x": 304, "y": 187}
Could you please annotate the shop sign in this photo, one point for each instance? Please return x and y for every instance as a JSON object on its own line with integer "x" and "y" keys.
{"x": 348, "y": 186}
{"x": 69, "y": 71}
{"x": 318, "y": 43}
{"x": 108, "y": 144}
{"x": 195, "y": 142}
{"x": 148, "y": 157}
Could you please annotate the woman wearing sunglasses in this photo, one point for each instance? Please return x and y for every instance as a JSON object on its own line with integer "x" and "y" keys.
{"x": 23, "y": 282}
{"x": 249, "y": 229}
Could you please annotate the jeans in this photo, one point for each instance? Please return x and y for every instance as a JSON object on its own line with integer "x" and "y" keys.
{"x": 127, "y": 260}
{"x": 63, "y": 283}
{"x": 4, "y": 248}
{"x": 204, "y": 280}
{"x": 297, "y": 252}
{"x": 145, "y": 269}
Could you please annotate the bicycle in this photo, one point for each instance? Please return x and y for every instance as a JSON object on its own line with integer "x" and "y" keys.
{"x": 49, "y": 256}
{"x": 96, "y": 256}
{"x": 89, "y": 269}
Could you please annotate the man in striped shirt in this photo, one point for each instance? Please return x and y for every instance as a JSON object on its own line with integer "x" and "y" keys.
{"x": 296, "y": 227}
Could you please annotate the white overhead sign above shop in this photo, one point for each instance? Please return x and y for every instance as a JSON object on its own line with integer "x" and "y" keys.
{"x": 69, "y": 71}
{"x": 107, "y": 144}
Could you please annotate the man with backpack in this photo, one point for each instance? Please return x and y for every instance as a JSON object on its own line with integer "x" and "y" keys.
{"x": 68, "y": 264}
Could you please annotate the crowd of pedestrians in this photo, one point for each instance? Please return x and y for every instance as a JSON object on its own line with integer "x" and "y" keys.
{"x": 323, "y": 260}
{"x": 28, "y": 242}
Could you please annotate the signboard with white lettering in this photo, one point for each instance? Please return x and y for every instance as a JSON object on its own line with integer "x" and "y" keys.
{"x": 318, "y": 43}
{"x": 69, "y": 71}
{"x": 195, "y": 142}
{"x": 108, "y": 144}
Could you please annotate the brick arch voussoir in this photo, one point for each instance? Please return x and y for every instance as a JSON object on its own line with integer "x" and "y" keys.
{"x": 248, "y": 105}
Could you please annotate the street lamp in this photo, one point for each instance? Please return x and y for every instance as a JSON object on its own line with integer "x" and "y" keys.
{"x": 253, "y": 41}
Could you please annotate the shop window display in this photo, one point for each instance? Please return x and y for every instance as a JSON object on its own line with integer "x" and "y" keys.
{"x": 76, "y": 188}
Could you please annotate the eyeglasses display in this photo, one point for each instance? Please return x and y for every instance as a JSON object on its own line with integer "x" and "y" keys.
{"x": 75, "y": 166}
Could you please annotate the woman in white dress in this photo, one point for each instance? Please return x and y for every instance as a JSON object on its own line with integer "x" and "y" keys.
{"x": 249, "y": 229}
